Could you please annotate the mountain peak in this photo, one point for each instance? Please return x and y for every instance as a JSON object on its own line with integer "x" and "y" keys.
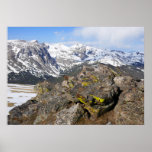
{"x": 34, "y": 41}
{"x": 78, "y": 45}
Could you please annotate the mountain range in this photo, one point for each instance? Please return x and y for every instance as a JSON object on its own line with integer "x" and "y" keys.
{"x": 31, "y": 61}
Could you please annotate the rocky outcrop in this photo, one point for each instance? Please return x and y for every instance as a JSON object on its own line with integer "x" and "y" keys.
{"x": 69, "y": 116}
{"x": 43, "y": 87}
{"x": 97, "y": 95}
{"x": 24, "y": 114}
{"x": 130, "y": 107}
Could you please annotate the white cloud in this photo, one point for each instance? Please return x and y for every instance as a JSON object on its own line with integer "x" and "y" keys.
{"x": 117, "y": 37}
{"x": 56, "y": 33}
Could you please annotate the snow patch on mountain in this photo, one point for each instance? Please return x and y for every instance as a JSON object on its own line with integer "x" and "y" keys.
{"x": 50, "y": 59}
{"x": 32, "y": 57}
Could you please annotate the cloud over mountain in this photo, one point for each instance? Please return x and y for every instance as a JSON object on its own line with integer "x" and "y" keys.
{"x": 113, "y": 37}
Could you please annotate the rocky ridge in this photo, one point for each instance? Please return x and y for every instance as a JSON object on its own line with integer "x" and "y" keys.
{"x": 98, "y": 94}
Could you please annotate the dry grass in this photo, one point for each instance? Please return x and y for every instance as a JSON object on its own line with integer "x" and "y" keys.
{"x": 12, "y": 86}
{"x": 10, "y": 104}
{"x": 16, "y": 91}
{"x": 28, "y": 89}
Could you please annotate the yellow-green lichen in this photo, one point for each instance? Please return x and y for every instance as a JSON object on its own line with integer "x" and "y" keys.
{"x": 71, "y": 85}
{"x": 98, "y": 99}
{"x": 94, "y": 78}
{"x": 87, "y": 106}
{"x": 42, "y": 90}
{"x": 85, "y": 78}
{"x": 91, "y": 110}
{"x": 82, "y": 99}
{"x": 115, "y": 73}
{"x": 90, "y": 101}
{"x": 85, "y": 84}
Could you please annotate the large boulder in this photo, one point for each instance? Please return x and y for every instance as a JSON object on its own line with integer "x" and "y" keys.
{"x": 24, "y": 114}
{"x": 124, "y": 82}
{"x": 129, "y": 109}
{"x": 69, "y": 116}
{"x": 48, "y": 109}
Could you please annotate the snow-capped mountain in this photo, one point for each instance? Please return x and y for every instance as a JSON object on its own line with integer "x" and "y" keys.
{"x": 31, "y": 56}
{"x": 79, "y": 53}
{"x": 43, "y": 59}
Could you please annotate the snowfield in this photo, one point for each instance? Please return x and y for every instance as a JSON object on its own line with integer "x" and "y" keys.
{"x": 19, "y": 94}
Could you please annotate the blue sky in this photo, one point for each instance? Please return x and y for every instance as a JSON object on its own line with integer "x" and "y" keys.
{"x": 122, "y": 38}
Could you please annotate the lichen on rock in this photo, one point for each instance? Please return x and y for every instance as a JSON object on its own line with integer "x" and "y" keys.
{"x": 95, "y": 95}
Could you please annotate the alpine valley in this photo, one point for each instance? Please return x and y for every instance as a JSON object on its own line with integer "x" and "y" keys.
{"x": 30, "y": 61}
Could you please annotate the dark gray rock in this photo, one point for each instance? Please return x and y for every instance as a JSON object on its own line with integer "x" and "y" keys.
{"x": 24, "y": 114}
